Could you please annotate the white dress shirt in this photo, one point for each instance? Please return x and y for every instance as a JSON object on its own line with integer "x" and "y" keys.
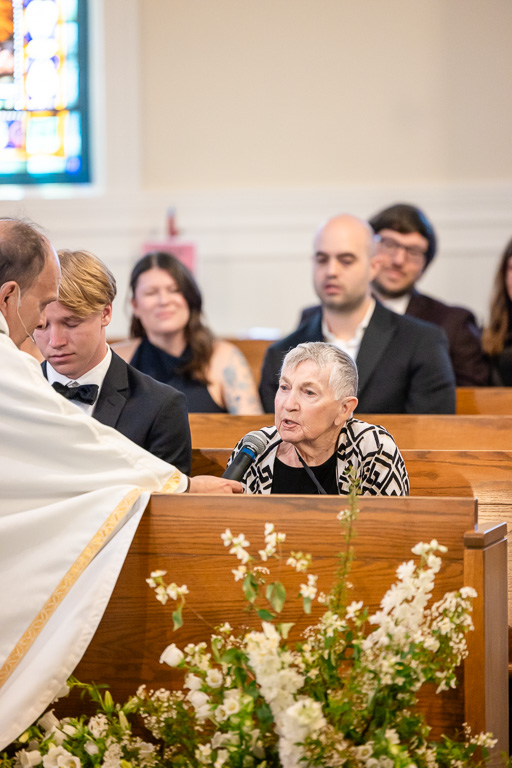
{"x": 399, "y": 304}
{"x": 350, "y": 347}
{"x": 94, "y": 376}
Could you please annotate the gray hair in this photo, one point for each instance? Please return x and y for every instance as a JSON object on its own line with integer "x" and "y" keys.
{"x": 343, "y": 379}
{"x": 23, "y": 252}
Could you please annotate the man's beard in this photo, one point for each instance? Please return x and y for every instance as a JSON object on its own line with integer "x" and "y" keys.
{"x": 344, "y": 307}
{"x": 388, "y": 293}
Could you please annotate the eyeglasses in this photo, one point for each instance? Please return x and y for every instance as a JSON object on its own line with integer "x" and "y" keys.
{"x": 413, "y": 253}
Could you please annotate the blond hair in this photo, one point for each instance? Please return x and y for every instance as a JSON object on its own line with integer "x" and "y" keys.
{"x": 87, "y": 286}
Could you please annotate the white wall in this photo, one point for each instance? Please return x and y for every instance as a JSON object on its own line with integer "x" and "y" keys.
{"x": 259, "y": 119}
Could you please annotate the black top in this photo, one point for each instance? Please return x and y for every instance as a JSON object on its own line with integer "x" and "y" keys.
{"x": 164, "y": 367}
{"x": 502, "y": 365}
{"x": 296, "y": 479}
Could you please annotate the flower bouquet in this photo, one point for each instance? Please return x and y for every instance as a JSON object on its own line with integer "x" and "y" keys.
{"x": 343, "y": 694}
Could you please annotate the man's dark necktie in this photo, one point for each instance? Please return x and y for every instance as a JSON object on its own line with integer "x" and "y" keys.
{"x": 85, "y": 393}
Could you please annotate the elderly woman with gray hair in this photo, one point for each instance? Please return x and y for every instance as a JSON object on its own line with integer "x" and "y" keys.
{"x": 315, "y": 439}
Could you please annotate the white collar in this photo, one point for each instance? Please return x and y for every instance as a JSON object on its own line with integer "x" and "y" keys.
{"x": 398, "y": 304}
{"x": 94, "y": 376}
{"x": 351, "y": 346}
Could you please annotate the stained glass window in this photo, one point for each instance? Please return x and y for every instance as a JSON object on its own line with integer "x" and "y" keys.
{"x": 44, "y": 135}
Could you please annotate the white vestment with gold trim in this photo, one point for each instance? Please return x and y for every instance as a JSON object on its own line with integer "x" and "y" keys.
{"x": 72, "y": 492}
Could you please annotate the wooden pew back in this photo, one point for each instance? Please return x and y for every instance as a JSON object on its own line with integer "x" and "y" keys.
{"x": 181, "y": 534}
{"x": 485, "y": 475}
{"x": 410, "y": 431}
{"x": 484, "y": 400}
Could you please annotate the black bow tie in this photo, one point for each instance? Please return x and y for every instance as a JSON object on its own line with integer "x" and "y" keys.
{"x": 85, "y": 393}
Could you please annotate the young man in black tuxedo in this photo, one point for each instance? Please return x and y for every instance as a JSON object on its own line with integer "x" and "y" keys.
{"x": 403, "y": 363}
{"x": 81, "y": 366}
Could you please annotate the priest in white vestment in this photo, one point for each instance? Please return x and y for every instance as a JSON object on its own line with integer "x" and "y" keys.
{"x": 72, "y": 492}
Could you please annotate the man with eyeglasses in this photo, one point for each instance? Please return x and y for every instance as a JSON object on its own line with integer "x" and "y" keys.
{"x": 406, "y": 246}
{"x": 403, "y": 363}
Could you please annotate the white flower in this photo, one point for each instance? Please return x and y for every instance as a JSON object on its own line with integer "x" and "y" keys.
{"x": 68, "y": 729}
{"x": 193, "y": 682}
{"x": 353, "y": 609}
{"x": 240, "y": 541}
{"x": 239, "y": 572}
{"x": 161, "y": 594}
{"x": 91, "y": 748}
{"x": 232, "y": 702}
{"x": 309, "y": 589}
{"x": 172, "y": 655}
{"x": 174, "y": 591}
{"x": 214, "y": 678}
{"x": 204, "y": 753}
{"x": 57, "y": 736}
{"x": 27, "y": 759}
{"x": 58, "y": 757}
{"x": 222, "y": 756}
{"x": 48, "y": 721}
{"x": 113, "y": 756}
{"x": 198, "y": 698}
{"x": 155, "y": 575}
{"x": 98, "y": 725}
{"x": 227, "y": 537}
{"x": 240, "y": 552}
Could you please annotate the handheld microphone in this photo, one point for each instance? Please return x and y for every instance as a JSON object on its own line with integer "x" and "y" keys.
{"x": 253, "y": 444}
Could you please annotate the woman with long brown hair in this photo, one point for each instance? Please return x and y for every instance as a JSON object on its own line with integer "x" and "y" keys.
{"x": 497, "y": 337}
{"x": 171, "y": 343}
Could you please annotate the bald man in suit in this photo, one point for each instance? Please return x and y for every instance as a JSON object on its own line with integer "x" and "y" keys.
{"x": 403, "y": 363}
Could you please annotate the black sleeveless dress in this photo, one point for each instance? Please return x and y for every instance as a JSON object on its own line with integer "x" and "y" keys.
{"x": 165, "y": 368}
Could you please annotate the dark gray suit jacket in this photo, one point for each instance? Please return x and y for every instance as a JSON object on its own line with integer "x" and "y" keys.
{"x": 470, "y": 365}
{"x": 151, "y": 414}
{"x": 403, "y": 365}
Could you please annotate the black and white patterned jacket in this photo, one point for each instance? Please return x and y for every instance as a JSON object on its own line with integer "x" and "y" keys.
{"x": 369, "y": 449}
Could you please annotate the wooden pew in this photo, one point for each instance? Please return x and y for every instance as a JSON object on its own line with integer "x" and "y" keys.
{"x": 484, "y": 400}
{"x": 485, "y": 475}
{"x": 181, "y": 534}
{"x": 410, "y": 431}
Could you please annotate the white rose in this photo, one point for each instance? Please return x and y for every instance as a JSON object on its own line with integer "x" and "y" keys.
{"x": 193, "y": 682}
{"x": 172, "y": 655}
{"x": 48, "y": 721}
{"x": 30, "y": 758}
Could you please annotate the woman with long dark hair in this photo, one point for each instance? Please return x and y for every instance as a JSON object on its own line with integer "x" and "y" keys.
{"x": 497, "y": 337}
{"x": 171, "y": 343}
